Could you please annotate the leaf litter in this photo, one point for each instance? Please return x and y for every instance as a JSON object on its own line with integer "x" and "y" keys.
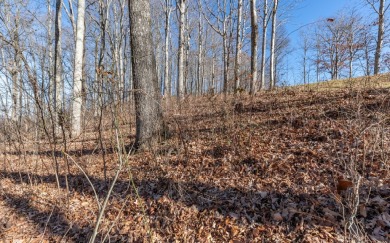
{"x": 282, "y": 168}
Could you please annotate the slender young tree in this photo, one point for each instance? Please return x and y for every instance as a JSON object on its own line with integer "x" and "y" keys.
{"x": 238, "y": 47}
{"x": 380, "y": 11}
{"x": 272, "y": 49}
{"x": 200, "y": 53}
{"x": 50, "y": 52}
{"x": 149, "y": 123}
{"x": 305, "y": 47}
{"x": 265, "y": 21}
{"x": 254, "y": 36}
{"x": 14, "y": 67}
{"x": 219, "y": 16}
{"x": 78, "y": 69}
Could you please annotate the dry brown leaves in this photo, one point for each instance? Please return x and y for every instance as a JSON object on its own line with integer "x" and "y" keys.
{"x": 277, "y": 169}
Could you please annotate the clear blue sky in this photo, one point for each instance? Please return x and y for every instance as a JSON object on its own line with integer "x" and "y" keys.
{"x": 311, "y": 10}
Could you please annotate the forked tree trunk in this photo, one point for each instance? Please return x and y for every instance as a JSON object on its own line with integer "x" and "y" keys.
{"x": 149, "y": 123}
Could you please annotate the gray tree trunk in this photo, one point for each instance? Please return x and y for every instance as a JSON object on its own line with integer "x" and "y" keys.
{"x": 149, "y": 123}
{"x": 50, "y": 51}
{"x": 264, "y": 43}
{"x": 238, "y": 48}
{"x": 200, "y": 53}
{"x": 272, "y": 49}
{"x": 58, "y": 69}
{"x": 167, "y": 81}
{"x": 78, "y": 70}
{"x": 381, "y": 33}
{"x": 254, "y": 35}
{"x": 180, "y": 63}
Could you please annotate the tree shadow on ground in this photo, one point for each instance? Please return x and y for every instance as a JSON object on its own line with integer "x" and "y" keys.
{"x": 72, "y": 152}
{"x": 50, "y": 222}
{"x": 247, "y": 206}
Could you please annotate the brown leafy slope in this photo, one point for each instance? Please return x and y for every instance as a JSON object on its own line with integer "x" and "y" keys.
{"x": 287, "y": 166}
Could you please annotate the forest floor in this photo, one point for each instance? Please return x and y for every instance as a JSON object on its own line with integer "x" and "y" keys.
{"x": 291, "y": 165}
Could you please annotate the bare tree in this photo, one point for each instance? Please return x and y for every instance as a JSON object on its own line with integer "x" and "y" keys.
{"x": 354, "y": 31}
{"x": 380, "y": 11}
{"x": 332, "y": 50}
{"x": 272, "y": 48}
{"x": 181, "y": 6}
{"x": 238, "y": 47}
{"x": 254, "y": 36}
{"x": 167, "y": 80}
{"x": 78, "y": 69}
{"x": 305, "y": 46}
{"x": 219, "y": 17}
{"x": 200, "y": 52}
{"x": 265, "y": 20}
{"x": 58, "y": 85}
{"x": 149, "y": 123}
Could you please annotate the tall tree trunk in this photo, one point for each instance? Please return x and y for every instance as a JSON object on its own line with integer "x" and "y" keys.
{"x": 149, "y": 123}
{"x": 200, "y": 53}
{"x": 213, "y": 75}
{"x": 180, "y": 64}
{"x": 272, "y": 49}
{"x": 238, "y": 48}
{"x": 351, "y": 53}
{"x": 187, "y": 84}
{"x": 15, "y": 69}
{"x": 254, "y": 35}
{"x": 102, "y": 51}
{"x": 16, "y": 89}
{"x": 50, "y": 51}
{"x": 58, "y": 85}
{"x": 381, "y": 32}
{"x": 78, "y": 70}
{"x": 225, "y": 59}
{"x": 264, "y": 43}
{"x": 167, "y": 80}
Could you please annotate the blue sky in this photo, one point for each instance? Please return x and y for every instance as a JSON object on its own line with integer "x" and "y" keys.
{"x": 311, "y": 10}
{"x": 305, "y": 14}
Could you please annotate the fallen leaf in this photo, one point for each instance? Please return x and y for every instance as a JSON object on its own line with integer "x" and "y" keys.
{"x": 343, "y": 184}
{"x": 277, "y": 217}
{"x": 363, "y": 211}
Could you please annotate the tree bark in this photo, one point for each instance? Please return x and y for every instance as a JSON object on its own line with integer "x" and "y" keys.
{"x": 58, "y": 69}
{"x": 381, "y": 32}
{"x": 238, "y": 48}
{"x": 254, "y": 35}
{"x": 167, "y": 81}
{"x": 149, "y": 123}
{"x": 78, "y": 69}
{"x": 264, "y": 43}
{"x": 273, "y": 41}
{"x": 180, "y": 63}
{"x": 200, "y": 53}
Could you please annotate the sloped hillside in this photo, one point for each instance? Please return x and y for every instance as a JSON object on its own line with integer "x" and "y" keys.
{"x": 285, "y": 166}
